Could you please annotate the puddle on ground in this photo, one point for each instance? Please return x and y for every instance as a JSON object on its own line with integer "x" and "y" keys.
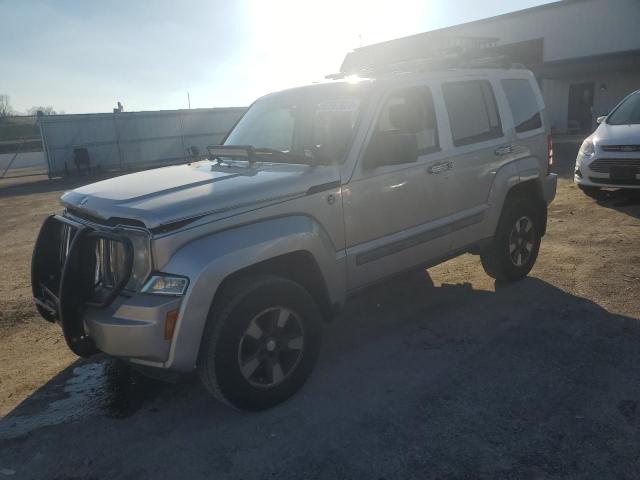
{"x": 107, "y": 388}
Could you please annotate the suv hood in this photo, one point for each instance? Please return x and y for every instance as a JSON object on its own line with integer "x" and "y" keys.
{"x": 166, "y": 195}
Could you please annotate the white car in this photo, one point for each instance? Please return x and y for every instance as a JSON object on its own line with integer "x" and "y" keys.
{"x": 610, "y": 156}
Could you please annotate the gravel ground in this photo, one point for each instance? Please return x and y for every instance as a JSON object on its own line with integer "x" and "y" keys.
{"x": 438, "y": 374}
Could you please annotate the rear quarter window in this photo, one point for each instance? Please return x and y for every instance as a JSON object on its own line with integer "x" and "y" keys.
{"x": 473, "y": 113}
{"x": 523, "y": 104}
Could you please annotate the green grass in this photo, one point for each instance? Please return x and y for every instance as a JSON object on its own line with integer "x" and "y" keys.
{"x": 16, "y": 128}
{"x": 14, "y": 131}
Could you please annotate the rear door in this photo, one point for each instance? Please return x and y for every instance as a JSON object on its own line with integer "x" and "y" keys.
{"x": 478, "y": 144}
{"x": 524, "y": 104}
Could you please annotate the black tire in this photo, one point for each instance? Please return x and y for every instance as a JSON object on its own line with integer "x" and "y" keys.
{"x": 226, "y": 339}
{"x": 592, "y": 192}
{"x": 498, "y": 258}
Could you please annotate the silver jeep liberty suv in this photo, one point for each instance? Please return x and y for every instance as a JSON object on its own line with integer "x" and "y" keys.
{"x": 231, "y": 265}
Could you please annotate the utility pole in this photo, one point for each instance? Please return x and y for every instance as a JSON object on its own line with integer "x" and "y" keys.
{"x": 189, "y": 100}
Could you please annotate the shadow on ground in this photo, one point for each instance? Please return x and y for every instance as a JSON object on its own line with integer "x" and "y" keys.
{"x": 625, "y": 201}
{"x": 415, "y": 381}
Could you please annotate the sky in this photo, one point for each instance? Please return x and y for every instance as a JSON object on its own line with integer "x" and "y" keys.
{"x": 84, "y": 56}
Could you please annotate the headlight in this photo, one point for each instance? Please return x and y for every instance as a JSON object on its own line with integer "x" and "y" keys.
{"x": 587, "y": 149}
{"x": 141, "y": 260}
{"x": 110, "y": 261}
{"x": 166, "y": 285}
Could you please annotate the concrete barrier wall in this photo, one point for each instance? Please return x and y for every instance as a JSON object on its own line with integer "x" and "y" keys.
{"x": 132, "y": 140}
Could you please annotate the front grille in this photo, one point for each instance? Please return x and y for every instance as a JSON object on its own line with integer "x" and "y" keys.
{"x": 75, "y": 266}
{"x": 607, "y": 181}
{"x": 621, "y": 148}
{"x": 603, "y": 165}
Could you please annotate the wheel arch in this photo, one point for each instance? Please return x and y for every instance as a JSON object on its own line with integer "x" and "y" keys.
{"x": 295, "y": 247}
{"x": 519, "y": 179}
{"x": 299, "y": 266}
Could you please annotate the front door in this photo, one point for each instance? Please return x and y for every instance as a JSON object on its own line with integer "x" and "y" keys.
{"x": 392, "y": 211}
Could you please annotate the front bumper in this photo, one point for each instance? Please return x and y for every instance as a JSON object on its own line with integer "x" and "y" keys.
{"x": 95, "y": 316}
{"x": 132, "y": 328}
{"x": 584, "y": 176}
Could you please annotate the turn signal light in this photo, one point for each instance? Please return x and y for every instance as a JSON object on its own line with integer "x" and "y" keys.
{"x": 170, "y": 323}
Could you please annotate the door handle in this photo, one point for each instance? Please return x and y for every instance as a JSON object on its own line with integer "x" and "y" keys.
{"x": 505, "y": 150}
{"x": 439, "y": 167}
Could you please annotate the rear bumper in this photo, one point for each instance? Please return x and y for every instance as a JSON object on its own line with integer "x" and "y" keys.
{"x": 549, "y": 187}
{"x": 132, "y": 328}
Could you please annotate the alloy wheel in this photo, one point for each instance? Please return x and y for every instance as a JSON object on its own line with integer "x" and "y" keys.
{"x": 271, "y": 347}
{"x": 521, "y": 241}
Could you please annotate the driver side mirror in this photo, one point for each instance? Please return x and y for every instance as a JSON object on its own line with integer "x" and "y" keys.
{"x": 391, "y": 148}
{"x": 601, "y": 119}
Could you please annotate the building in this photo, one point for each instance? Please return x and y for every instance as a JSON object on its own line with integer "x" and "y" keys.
{"x": 584, "y": 53}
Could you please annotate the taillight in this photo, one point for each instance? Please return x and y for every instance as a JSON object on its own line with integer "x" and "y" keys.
{"x": 549, "y": 153}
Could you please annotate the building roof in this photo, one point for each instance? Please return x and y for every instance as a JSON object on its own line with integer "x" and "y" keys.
{"x": 550, "y": 32}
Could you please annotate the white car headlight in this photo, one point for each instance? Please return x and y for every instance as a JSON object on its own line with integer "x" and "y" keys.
{"x": 587, "y": 149}
{"x": 166, "y": 285}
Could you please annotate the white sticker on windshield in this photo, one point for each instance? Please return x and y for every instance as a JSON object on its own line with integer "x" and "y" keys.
{"x": 342, "y": 105}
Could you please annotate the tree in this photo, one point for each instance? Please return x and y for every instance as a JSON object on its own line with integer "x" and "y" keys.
{"x": 45, "y": 110}
{"x": 5, "y": 106}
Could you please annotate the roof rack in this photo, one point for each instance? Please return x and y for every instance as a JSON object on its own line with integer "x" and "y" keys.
{"x": 436, "y": 53}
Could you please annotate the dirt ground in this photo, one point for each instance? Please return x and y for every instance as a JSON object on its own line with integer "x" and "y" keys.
{"x": 567, "y": 339}
{"x": 31, "y": 350}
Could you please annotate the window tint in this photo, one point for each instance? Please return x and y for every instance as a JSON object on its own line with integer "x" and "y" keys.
{"x": 411, "y": 111}
{"x": 333, "y": 125}
{"x": 523, "y": 104}
{"x": 473, "y": 114}
{"x": 627, "y": 113}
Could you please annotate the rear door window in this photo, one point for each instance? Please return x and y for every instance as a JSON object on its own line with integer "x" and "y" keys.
{"x": 473, "y": 113}
{"x": 523, "y": 104}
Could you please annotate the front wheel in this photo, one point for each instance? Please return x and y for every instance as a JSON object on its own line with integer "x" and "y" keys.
{"x": 261, "y": 343}
{"x": 514, "y": 248}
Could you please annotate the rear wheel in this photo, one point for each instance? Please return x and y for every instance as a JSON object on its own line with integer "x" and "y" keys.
{"x": 514, "y": 248}
{"x": 261, "y": 343}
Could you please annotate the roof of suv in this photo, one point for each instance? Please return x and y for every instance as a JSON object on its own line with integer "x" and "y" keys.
{"x": 401, "y": 77}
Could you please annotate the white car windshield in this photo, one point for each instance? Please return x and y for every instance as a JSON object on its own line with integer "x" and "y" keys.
{"x": 316, "y": 122}
{"x": 628, "y": 112}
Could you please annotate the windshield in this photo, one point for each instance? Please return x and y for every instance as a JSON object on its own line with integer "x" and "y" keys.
{"x": 628, "y": 111}
{"x": 314, "y": 123}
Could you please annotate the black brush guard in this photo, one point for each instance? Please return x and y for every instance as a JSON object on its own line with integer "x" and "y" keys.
{"x": 63, "y": 277}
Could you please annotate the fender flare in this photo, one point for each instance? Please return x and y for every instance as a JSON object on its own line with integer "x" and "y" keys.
{"x": 207, "y": 261}
{"x": 505, "y": 179}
